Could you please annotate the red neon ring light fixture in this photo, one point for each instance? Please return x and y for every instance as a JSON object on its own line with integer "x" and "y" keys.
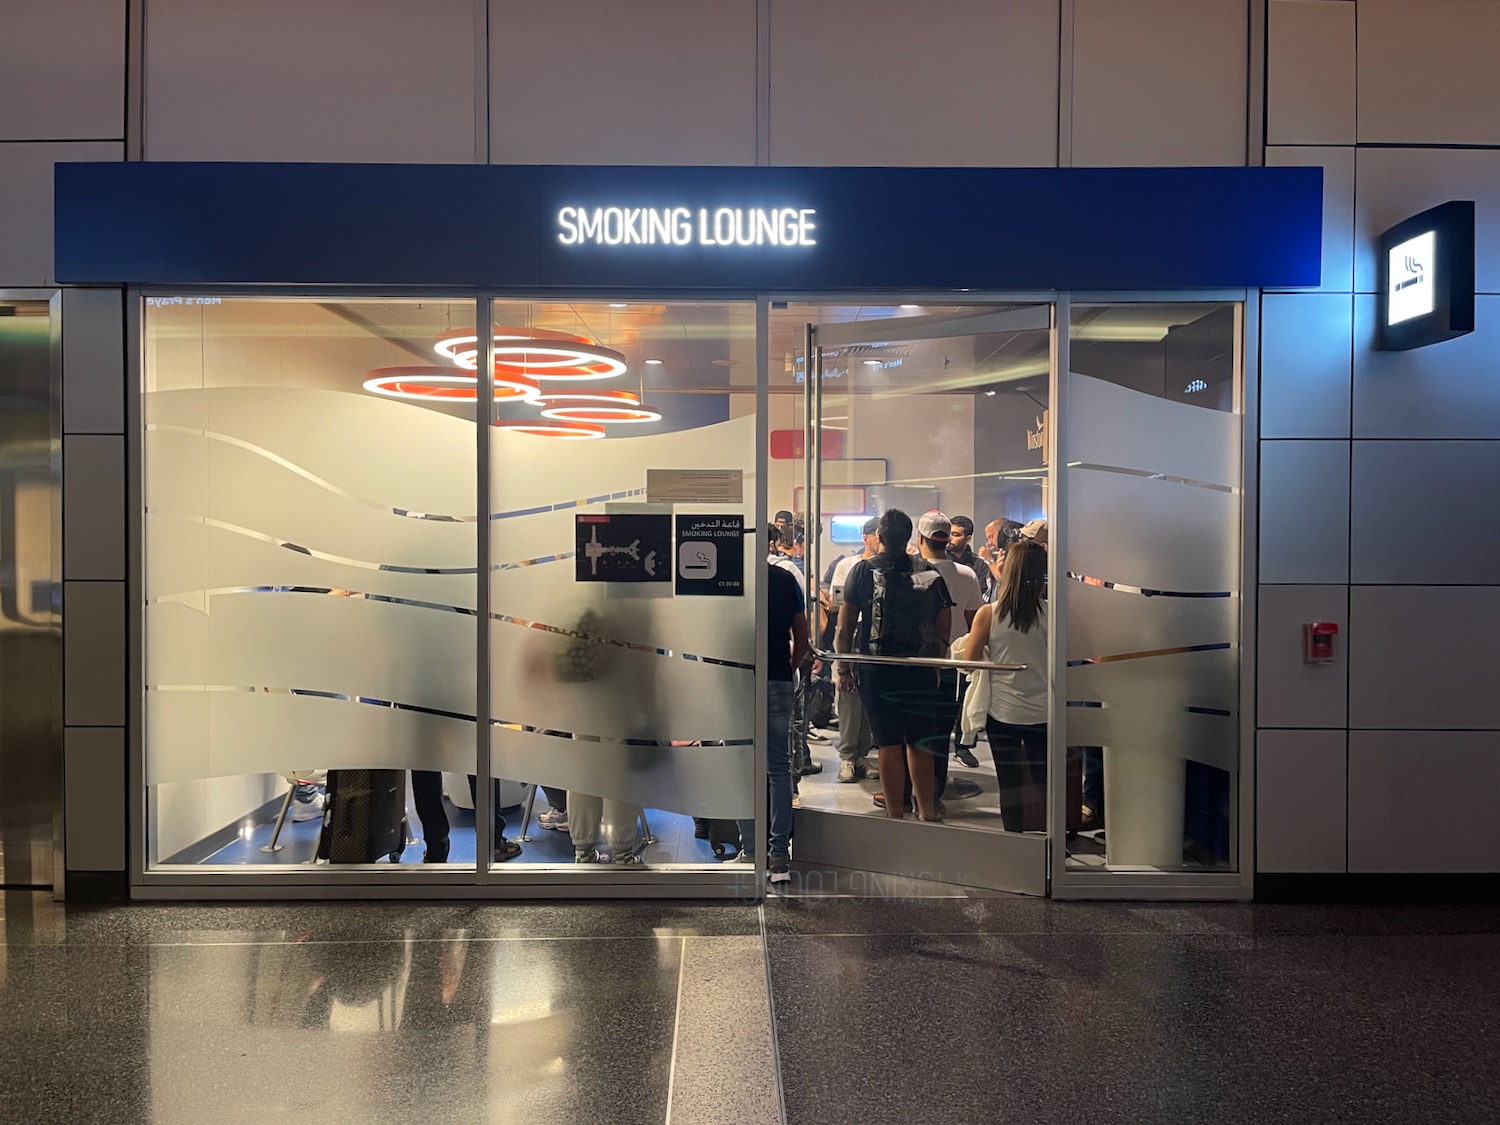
{"x": 538, "y": 353}
{"x": 597, "y": 406}
{"x": 444, "y": 384}
{"x": 561, "y": 430}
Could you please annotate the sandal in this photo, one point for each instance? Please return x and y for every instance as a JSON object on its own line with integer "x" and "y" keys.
{"x": 880, "y": 803}
{"x": 505, "y": 849}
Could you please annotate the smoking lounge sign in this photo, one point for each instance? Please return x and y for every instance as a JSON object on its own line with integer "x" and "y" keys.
{"x": 1427, "y": 278}
{"x": 767, "y": 227}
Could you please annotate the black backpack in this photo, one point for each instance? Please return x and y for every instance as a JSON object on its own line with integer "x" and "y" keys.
{"x": 904, "y": 613}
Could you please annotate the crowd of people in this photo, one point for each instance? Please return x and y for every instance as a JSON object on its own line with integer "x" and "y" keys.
{"x": 899, "y": 611}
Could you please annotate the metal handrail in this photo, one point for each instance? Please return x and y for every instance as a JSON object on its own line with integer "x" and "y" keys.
{"x": 915, "y": 661}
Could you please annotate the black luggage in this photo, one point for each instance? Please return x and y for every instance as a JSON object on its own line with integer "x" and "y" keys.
{"x": 365, "y": 816}
{"x": 723, "y": 834}
{"x": 820, "y": 702}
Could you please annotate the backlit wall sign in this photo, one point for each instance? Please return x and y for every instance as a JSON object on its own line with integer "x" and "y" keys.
{"x": 1427, "y": 278}
{"x": 686, "y": 226}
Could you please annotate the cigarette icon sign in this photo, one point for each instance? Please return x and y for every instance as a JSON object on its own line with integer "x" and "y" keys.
{"x": 697, "y": 559}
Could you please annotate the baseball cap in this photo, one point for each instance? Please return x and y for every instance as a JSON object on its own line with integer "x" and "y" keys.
{"x": 935, "y": 526}
{"x": 871, "y": 526}
{"x": 1036, "y": 531}
{"x": 784, "y": 516}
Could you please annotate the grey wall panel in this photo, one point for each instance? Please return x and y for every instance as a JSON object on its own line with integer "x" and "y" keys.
{"x": 1424, "y": 657}
{"x": 26, "y": 205}
{"x": 1425, "y": 512}
{"x": 1427, "y": 72}
{"x": 62, "y": 70}
{"x": 1289, "y": 691}
{"x": 944, "y": 82}
{"x": 1310, "y": 73}
{"x": 94, "y": 818}
{"x": 93, "y": 361}
{"x": 599, "y": 82}
{"x": 1395, "y": 183}
{"x": 1423, "y": 801}
{"x": 1304, "y": 511}
{"x": 343, "y": 80}
{"x": 1450, "y": 390}
{"x": 93, "y": 509}
{"x": 1305, "y": 364}
{"x": 94, "y": 653}
{"x": 1338, "y": 206}
{"x": 1159, "y": 82}
{"x": 1300, "y": 822}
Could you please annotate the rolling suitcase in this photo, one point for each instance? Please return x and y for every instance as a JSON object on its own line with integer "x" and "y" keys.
{"x": 365, "y": 816}
{"x": 723, "y": 834}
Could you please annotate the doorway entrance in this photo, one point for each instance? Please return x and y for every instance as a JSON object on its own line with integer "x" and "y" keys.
{"x": 1110, "y": 434}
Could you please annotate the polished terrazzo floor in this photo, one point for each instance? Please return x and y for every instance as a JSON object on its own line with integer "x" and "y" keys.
{"x": 854, "y": 998}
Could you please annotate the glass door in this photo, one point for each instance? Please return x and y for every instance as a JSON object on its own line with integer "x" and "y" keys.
{"x": 925, "y": 438}
{"x": 1152, "y": 504}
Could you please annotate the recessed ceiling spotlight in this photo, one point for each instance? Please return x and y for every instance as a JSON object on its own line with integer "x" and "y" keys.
{"x": 613, "y": 305}
{"x": 872, "y": 363}
{"x": 989, "y": 394}
{"x": 911, "y": 306}
{"x": 653, "y": 363}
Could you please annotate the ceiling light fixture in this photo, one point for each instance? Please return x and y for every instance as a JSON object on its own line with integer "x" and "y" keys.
{"x": 443, "y": 384}
{"x": 653, "y": 363}
{"x": 560, "y": 430}
{"x": 536, "y": 353}
{"x": 598, "y": 406}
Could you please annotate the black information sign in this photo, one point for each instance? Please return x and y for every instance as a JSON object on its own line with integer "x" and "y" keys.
{"x": 623, "y": 548}
{"x": 711, "y": 555}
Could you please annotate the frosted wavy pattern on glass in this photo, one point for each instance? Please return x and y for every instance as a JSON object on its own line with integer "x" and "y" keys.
{"x": 1156, "y": 525}
{"x": 1152, "y": 533}
{"x": 708, "y": 781}
{"x": 254, "y": 491}
{"x": 271, "y": 732}
{"x": 658, "y": 694}
{"x": 1104, "y": 622}
{"x": 1106, "y": 424}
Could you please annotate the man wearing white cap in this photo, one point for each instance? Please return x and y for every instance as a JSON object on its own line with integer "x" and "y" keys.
{"x": 933, "y": 532}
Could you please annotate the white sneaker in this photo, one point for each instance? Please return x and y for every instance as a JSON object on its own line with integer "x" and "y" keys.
{"x": 847, "y": 771}
{"x": 307, "y": 810}
{"x": 554, "y": 820}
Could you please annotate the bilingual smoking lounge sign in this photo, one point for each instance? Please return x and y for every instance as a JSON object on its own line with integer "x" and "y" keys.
{"x": 711, "y": 556}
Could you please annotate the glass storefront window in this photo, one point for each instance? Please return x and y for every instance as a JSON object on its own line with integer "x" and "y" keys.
{"x": 309, "y": 581}
{"x": 623, "y": 624}
{"x": 314, "y": 537}
{"x": 1153, "y": 511}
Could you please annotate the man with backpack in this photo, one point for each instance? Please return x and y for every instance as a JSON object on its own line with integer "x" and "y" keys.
{"x": 898, "y": 606}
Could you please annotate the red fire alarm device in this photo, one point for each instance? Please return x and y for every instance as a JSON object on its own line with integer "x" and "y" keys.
{"x": 1318, "y": 641}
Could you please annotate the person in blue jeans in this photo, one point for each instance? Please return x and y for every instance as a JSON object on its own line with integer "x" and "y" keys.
{"x": 787, "y": 646}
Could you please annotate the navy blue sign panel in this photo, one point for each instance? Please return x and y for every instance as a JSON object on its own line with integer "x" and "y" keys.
{"x": 661, "y": 228}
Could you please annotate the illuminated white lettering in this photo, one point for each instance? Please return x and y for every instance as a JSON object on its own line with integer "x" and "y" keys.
{"x": 590, "y": 225}
{"x": 674, "y": 226}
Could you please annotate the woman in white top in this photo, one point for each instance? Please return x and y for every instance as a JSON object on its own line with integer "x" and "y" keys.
{"x": 1013, "y": 630}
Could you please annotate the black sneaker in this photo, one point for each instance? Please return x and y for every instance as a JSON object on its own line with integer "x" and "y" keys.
{"x": 779, "y": 870}
{"x": 437, "y": 851}
{"x": 965, "y": 754}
